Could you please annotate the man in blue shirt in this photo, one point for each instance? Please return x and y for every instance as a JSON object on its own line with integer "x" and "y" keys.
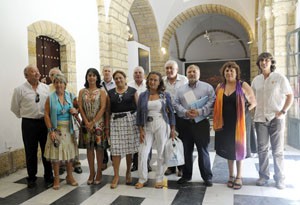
{"x": 191, "y": 131}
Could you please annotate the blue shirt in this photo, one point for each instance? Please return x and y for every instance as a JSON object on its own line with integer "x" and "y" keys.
{"x": 200, "y": 89}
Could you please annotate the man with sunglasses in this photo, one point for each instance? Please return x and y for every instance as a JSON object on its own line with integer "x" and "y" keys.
{"x": 28, "y": 103}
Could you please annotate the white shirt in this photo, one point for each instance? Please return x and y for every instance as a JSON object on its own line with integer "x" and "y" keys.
{"x": 171, "y": 88}
{"x": 270, "y": 95}
{"x": 23, "y": 103}
{"x": 139, "y": 88}
{"x": 110, "y": 85}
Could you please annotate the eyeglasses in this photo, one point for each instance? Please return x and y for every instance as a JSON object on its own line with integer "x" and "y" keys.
{"x": 120, "y": 99}
{"x": 37, "y": 98}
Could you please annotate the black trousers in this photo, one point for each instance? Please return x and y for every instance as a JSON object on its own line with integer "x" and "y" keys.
{"x": 34, "y": 132}
{"x": 191, "y": 134}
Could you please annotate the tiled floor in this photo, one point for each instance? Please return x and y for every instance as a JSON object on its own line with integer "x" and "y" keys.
{"x": 13, "y": 189}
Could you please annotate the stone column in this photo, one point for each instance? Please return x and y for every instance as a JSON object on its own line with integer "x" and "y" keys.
{"x": 268, "y": 31}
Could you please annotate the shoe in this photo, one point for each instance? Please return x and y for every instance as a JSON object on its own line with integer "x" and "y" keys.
{"x": 128, "y": 179}
{"x": 280, "y": 184}
{"x": 31, "y": 184}
{"x": 104, "y": 167}
{"x": 56, "y": 183}
{"x": 261, "y": 182}
{"x": 169, "y": 172}
{"x": 208, "y": 183}
{"x": 149, "y": 168}
{"x": 230, "y": 182}
{"x": 237, "y": 185}
{"x": 114, "y": 183}
{"x": 139, "y": 185}
{"x": 71, "y": 181}
{"x": 78, "y": 170}
{"x": 159, "y": 185}
{"x": 98, "y": 179}
{"x": 49, "y": 182}
{"x": 62, "y": 170}
{"x": 182, "y": 180}
{"x": 134, "y": 168}
{"x": 179, "y": 174}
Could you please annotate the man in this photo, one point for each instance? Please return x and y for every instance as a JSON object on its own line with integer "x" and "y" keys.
{"x": 172, "y": 82}
{"x": 191, "y": 130}
{"x": 77, "y": 165}
{"x": 274, "y": 97}
{"x": 139, "y": 83}
{"x": 108, "y": 84}
{"x": 28, "y": 103}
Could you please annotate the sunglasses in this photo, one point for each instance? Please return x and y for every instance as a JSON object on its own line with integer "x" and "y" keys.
{"x": 120, "y": 99}
{"x": 37, "y": 98}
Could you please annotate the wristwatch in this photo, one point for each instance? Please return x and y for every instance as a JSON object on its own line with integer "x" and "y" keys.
{"x": 283, "y": 112}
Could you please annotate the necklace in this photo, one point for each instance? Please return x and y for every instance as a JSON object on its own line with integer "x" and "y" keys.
{"x": 62, "y": 105}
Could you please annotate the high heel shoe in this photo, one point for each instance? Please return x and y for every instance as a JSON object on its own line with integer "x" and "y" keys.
{"x": 90, "y": 181}
{"x": 56, "y": 181}
{"x": 114, "y": 183}
{"x": 71, "y": 181}
{"x": 98, "y": 180}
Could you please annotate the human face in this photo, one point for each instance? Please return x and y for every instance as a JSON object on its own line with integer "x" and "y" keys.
{"x": 107, "y": 74}
{"x": 52, "y": 74}
{"x": 59, "y": 86}
{"x": 91, "y": 78}
{"x": 265, "y": 65}
{"x": 120, "y": 80}
{"x": 230, "y": 74}
{"x": 171, "y": 71}
{"x": 193, "y": 75}
{"x": 33, "y": 74}
{"x": 138, "y": 75}
{"x": 153, "y": 81}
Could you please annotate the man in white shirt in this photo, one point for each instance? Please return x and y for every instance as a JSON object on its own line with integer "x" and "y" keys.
{"x": 172, "y": 82}
{"x": 108, "y": 84}
{"x": 274, "y": 97}
{"x": 28, "y": 103}
{"x": 139, "y": 83}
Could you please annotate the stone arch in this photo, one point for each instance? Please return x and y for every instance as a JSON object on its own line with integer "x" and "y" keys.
{"x": 207, "y": 9}
{"x": 67, "y": 48}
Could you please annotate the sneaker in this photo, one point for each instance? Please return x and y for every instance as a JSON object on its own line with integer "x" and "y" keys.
{"x": 280, "y": 184}
{"x": 78, "y": 170}
{"x": 261, "y": 182}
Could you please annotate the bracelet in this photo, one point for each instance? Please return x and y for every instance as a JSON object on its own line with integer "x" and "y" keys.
{"x": 51, "y": 129}
{"x": 283, "y": 112}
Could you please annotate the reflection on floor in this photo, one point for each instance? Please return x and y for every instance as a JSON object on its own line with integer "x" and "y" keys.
{"x": 13, "y": 188}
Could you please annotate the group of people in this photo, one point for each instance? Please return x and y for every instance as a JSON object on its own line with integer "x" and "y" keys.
{"x": 133, "y": 117}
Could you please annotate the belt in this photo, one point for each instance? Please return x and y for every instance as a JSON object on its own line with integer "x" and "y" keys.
{"x": 24, "y": 118}
{"x": 116, "y": 116}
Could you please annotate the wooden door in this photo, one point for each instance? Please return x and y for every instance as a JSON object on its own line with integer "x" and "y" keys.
{"x": 48, "y": 55}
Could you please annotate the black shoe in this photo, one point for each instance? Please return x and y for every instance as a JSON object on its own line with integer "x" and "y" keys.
{"x": 208, "y": 183}
{"x": 182, "y": 180}
{"x": 78, "y": 170}
{"x": 62, "y": 170}
{"x": 31, "y": 184}
{"x": 149, "y": 168}
{"x": 169, "y": 172}
{"x": 134, "y": 168}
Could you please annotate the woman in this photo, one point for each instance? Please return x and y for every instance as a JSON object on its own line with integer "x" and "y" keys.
{"x": 61, "y": 145}
{"x": 155, "y": 116}
{"x": 230, "y": 113}
{"x": 121, "y": 115}
{"x": 92, "y": 103}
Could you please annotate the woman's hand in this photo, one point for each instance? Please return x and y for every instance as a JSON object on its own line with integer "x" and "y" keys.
{"x": 172, "y": 134}
{"x": 142, "y": 135}
{"x": 52, "y": 135}
{"x": 73, "y": 111}
{"x": 90, "y": 126}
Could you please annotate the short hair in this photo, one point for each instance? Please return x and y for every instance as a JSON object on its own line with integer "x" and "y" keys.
{"x": 266, "y": 55}
{"x": 161, "y": 86}
{"x": 139, "y": 67}
{"x": 27, "y": 68}
{"x": 107, "y": 67}
{"x": 171, "y": 62}
{"x": 231, "y": 64}
{"x": 120, "y": 72}
{"x": 60, "y": 78}
{"x": 54, "y": 69}
{"x": 193, "y": 66}
{"x": 95, "y": 72}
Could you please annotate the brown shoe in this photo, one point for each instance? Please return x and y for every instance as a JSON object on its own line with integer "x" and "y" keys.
{"x": 169, "y": 172}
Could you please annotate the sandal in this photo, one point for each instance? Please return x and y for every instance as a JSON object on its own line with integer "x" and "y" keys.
{"x": 71, "y": 181}
{"x": 159, "y": 185}
{"x": 230, "y": 182}
{"x": 56, "y": 182}
{"x": 139, "y": 185}
{"x": 237, "y": 185}
{"x": 114, "y": 183}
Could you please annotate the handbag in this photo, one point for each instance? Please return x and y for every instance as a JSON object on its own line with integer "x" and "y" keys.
{"x": 173, "y": 153}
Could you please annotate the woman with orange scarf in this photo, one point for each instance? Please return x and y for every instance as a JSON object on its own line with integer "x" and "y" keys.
{"x": 229, "y": 120}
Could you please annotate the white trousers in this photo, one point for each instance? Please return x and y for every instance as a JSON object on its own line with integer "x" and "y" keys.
{"x": 156, "y": 131}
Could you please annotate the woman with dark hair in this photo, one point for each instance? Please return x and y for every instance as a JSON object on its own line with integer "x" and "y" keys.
{"x": 121, "y": 117}
{"x": 156, "y": 122}
{"x": 229, "y": 121}
{"x": 92, "y": 104}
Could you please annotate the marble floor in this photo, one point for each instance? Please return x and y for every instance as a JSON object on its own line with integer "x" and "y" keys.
{"x": 13, "y": 188}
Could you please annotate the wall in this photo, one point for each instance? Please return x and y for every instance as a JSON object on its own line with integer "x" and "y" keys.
{"x": 72, "y": 16}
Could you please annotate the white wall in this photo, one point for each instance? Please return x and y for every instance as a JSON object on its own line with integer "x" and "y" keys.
{"x": 79, "y": 18}
{"x": 133, "y": 57}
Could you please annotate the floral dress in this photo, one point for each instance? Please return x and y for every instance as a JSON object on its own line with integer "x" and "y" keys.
{"x": 91, "y": 102}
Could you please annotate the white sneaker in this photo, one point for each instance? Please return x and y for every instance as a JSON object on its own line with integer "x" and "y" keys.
{"x": 261, "y": 182}
{"x": 280, "y": 184}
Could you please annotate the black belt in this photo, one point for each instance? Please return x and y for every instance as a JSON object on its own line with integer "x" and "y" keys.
{"x": 35, "y": 119}
{"x": 192, "y": 121}
{"x": 116, "y": 116}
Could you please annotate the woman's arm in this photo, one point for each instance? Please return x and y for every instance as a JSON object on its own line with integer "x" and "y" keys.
{"x": 249, "y": 94}
{"x": 47, "y": 119}
{"x": 80, "y": 107}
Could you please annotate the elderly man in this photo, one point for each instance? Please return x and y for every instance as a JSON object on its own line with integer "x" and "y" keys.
{"x": 108, "y": 84}
{"x": 139, "y": 83}
{"x": 28, "y": 103}
{"x": 194, "y": 127}
{"x": 172, "y": 82}
{"x": 274, "y": 97}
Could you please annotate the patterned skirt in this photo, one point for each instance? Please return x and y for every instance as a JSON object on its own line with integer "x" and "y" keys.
{"x": 66, "y": 150}
{"x": 124, "y": 134}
